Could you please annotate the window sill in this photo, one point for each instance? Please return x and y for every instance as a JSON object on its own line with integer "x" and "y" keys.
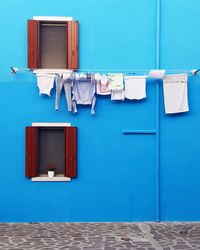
{"x": 51, "y": 124}
{"x": 52, "y": 179}
{"x": 52, "y": 71}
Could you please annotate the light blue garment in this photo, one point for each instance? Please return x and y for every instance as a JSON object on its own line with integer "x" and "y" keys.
{"x": 66, "y": 83}
{"x": 83, "y": 92}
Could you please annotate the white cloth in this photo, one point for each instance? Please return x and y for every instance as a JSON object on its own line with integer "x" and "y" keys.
{"x": 45, "y": 83}
{"x": 175, "y": 93}
{"x": 135, "y": 87}
{"x": 157, "y": 74}
{"x": 97, "y": 76}
{"x": 117, "y": 95}
{"x": 116, "y": 81}
{"x": 103, "y": 86}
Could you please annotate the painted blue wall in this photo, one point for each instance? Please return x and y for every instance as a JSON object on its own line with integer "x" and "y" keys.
{"x": 116, "y": 172}
{"x": 180, "y": 134}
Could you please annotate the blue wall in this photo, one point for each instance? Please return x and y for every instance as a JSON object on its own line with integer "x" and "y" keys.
{"x": 116, "y": 172}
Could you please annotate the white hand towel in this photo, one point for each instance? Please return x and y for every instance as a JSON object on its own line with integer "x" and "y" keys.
{"x": 175, "y": 93}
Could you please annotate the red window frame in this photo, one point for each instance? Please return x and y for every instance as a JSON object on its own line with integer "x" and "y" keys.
{"x": 72, "y": 48}
{"x": 70, "y": 152}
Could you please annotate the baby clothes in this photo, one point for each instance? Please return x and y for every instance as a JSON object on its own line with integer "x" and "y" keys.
{"x": 103, "y": 86}
{"x": 83, "y": 92}
{"x": 116, "y": 86}
{"x": 45, "y": 83}
{"x": 65, "y": 83}
{"x": 116, "y": 81}
{"x": 175, "y": 93}
{"x": 135, "y": 87}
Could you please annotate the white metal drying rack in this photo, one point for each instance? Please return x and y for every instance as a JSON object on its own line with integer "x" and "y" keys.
{"x": 14, "y": 70}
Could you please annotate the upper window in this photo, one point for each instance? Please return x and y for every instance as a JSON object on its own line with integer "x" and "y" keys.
{"x": 52, "y": 44}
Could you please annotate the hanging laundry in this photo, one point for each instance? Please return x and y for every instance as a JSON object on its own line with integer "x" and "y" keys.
{"x": 83, "y": 92}
{"x": 103, "y": 86}
{"x": 65, "y": 83}
{"x": 97, "y": 76}
{"x": 116, "y": 81}
{"x": 175, "y": 93}
{"x": 117, "y": 95}
{"x": 135, "y": 87}
{"x": 157, "y": 73}
{"x": 45, "y": 83}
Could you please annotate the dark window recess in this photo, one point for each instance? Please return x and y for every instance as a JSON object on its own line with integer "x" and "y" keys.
{"x": 51, "y": 149}
{"x": 51, "y": 145}
{"x": 53, "y": 40}
{"x": 52, "y": 45}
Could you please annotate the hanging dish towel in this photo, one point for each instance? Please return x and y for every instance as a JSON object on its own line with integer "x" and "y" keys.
{"x": 175, "y": 93}
{"x": 135, "y": 87}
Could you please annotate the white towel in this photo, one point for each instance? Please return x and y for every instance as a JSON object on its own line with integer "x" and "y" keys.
{"x": 157, "y": 74}
{"x": 175, "y": 93}
{"x": 135, "y": 87}
{"x": 45, "y": 83}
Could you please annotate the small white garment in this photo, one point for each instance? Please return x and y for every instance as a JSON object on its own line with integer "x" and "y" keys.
{"x": 175, "y": 93}
{"x": 97, "y": 77}
{"x": 135, "y": 87}
{"x": 45, "y": 83}
{"x": 103, "y": 86}
{"x": 117, "y": 95}
{"x": 157, "y": 73}
{"x": 67, "y": 75}
{"x": 77, "y": 76}
{"x": 116, "y": 81}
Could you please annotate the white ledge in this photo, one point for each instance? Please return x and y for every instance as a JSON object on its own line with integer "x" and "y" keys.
{"x": 52, "y": 71}
{"x": 51, "y": 124}
{"x": 55, "y": 178}
{"x": 53, "y": 18}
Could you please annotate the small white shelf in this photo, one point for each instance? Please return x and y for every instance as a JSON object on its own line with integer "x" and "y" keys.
{"x": 51, "y": 124}
{"x": 53, "y": 18}
{"x": 54, "y": 179}
{"x": 52, "y": 71}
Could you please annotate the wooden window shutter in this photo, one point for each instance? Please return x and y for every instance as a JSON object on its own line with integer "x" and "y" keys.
{"x": 31, "y": 151}
{"x": 72, "y": 45}
{"x": 33, "y": 44}
{"x": 71, "y": 151}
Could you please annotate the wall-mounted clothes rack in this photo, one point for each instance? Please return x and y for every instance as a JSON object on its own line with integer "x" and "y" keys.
{"x": 14, "y": 70}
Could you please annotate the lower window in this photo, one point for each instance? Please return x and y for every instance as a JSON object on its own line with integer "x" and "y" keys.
{"x": 51, "y": 147}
